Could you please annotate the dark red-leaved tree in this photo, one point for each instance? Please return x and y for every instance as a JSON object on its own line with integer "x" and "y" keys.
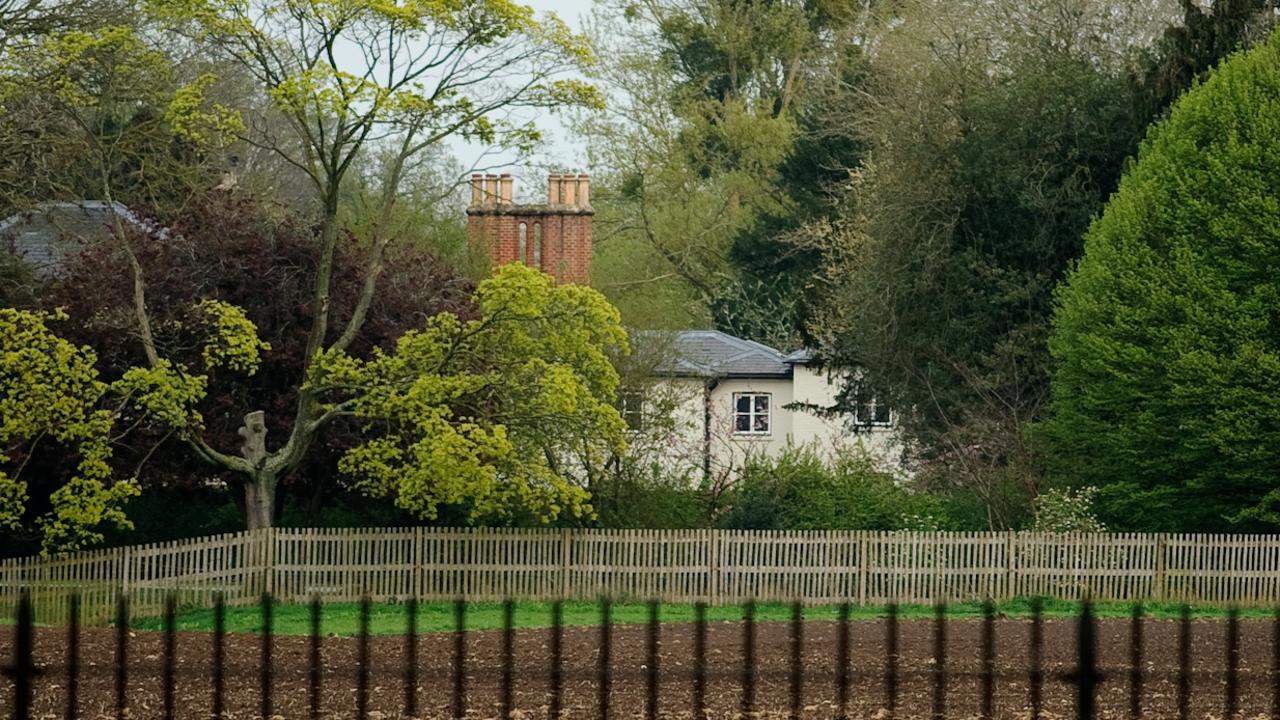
{"x": 227, "y": 246}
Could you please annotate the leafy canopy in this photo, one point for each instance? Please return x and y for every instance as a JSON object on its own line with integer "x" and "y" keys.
{"x": 505, "y": 412}
{"x": 50, "y": 392}
{"x": 104, "y": 114}
{"x": 1167, "y": 387}
{"x": 994, "y": 132}
{"x": 349, "y": 73}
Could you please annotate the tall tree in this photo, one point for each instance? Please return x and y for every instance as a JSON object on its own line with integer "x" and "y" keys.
{"x": 714, "y": 100}
{"x": 1167, "y": 386}
{"x": 349, "y": 77}
{"x": 227, "y": 245}
{"x": 994, "y": 132}
{"x": 508, "y": 413}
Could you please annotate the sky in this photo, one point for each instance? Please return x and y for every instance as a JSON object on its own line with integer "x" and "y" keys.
{"x": 562, "y": 151}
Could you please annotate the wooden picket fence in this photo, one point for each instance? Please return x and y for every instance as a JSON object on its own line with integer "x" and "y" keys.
{"x": 714, "y": 566}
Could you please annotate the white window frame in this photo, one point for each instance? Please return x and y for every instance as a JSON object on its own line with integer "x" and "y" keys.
{"x": 872, "y": 407}
{"x": 625, "y": 398}
{"x": 752, "y": 414}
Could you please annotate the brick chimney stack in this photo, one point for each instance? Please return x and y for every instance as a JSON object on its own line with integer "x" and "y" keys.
{"x": 554, "y": 237}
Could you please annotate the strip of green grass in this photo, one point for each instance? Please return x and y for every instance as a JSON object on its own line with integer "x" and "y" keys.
{"x": 343, "y": 619}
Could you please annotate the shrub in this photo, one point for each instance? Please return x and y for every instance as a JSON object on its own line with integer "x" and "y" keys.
{"x": 800, "y": 491}
{"x": 1063, "y": 510}
{"x": 637, "y": 495}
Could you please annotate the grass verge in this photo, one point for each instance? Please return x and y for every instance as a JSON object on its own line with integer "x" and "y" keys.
{"x": 343, "y": 619}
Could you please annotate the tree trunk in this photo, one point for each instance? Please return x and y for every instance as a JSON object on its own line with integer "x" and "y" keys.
{"x": 259, "y": 501}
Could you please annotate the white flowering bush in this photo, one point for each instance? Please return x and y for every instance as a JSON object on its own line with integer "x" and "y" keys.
{"x": 1062, "y": 510}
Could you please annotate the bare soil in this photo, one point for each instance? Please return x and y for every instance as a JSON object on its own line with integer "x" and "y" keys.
{"x": 963, "y": 689}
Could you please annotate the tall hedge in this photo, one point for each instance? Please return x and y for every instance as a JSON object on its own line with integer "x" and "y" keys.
{"x": 1166, "y": 390}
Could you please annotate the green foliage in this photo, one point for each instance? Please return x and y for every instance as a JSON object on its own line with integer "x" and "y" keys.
{"x": 800, "y": 491}
{"x": 49, "y": 389}
{"x": 635, "y": 495}
{"x": 997, "y": 131}
{"x": 504, "y": 412}
{"x": 711, "y": 144}
{"x": 166, "y": 393}
{"x": 1167, "y": 387}
{"x": 400, "y": 87}
{"x": 1209, "y": 32}
{"x": 59, "y": 420}
{"x": 233, "y": 341}
{"x": 104, "y": 114}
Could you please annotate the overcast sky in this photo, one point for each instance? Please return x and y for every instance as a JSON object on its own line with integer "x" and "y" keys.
{"x": 562, "y": 150}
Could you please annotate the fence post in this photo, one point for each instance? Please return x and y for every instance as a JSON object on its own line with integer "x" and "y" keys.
{"x": 126, "y": 569}
{"x": 418, "y": 552}
{"x": 1159, "y": 583}
{"x": 267, "y": 545}
{"x": 1010, "y": 568}
{"x": 713, "y": 566}
{"x": 8, "y": 585}
{"x": 864, "y": 563}
{"x": 566, "y": 557}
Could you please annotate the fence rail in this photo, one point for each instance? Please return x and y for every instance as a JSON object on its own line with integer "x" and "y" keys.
{"x": 711, "y": 566}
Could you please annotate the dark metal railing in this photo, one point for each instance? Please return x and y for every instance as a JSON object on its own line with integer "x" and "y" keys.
{"x": 1086, "y": 677}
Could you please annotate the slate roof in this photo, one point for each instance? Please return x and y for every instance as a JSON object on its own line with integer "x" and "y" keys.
{"x": 45, "y": 237}
{"x": 799, "y": 357}
{"x": 710, "y": 353}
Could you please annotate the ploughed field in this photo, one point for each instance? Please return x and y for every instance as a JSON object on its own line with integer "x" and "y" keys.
{"x": 532, "y": 653}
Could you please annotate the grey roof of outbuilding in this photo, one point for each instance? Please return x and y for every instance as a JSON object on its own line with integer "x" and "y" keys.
{"x": 711, "y": 353}
{"x": 46, "y": 236}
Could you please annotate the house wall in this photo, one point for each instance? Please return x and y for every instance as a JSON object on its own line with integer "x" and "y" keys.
{"x": 817, "y": 387}
{"x": 730, "y": 449}
{"x": 683, "y": 453}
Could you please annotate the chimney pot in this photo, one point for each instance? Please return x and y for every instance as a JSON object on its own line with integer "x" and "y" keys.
{"x": 553, "y": 189}
{"x": 584, "y": 195}
{"x": 570, "y": 189}
{"x": 477, "y": 189}
{"x": 490, "y": 189}
{"x": 505, "y": 187}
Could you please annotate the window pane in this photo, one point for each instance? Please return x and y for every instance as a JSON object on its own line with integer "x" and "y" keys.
{"x": 631, "y": 407}
{"x": 762, "y": 423}
{"x": 744, "y": 403}
{"x": 882, "y": 413}
{"x": 762, "y": 404}
{"x": 741, "y": 423}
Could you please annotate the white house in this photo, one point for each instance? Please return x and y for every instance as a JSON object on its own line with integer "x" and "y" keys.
{"x": 730, "y": 398}
{"x": 716, "y": 398}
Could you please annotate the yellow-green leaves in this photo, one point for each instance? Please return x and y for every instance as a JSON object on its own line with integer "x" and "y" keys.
{"x": 407, "y": 74}
{"x": 53, "y": 401}
{"x": 504, "y": 414}
{"x": 189, "y": 117}
{"x": 165, "y": 393}
{"x": 50, "y": 393}
{"x": 114, "y": 118}
{"x": 232, "y": 341}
